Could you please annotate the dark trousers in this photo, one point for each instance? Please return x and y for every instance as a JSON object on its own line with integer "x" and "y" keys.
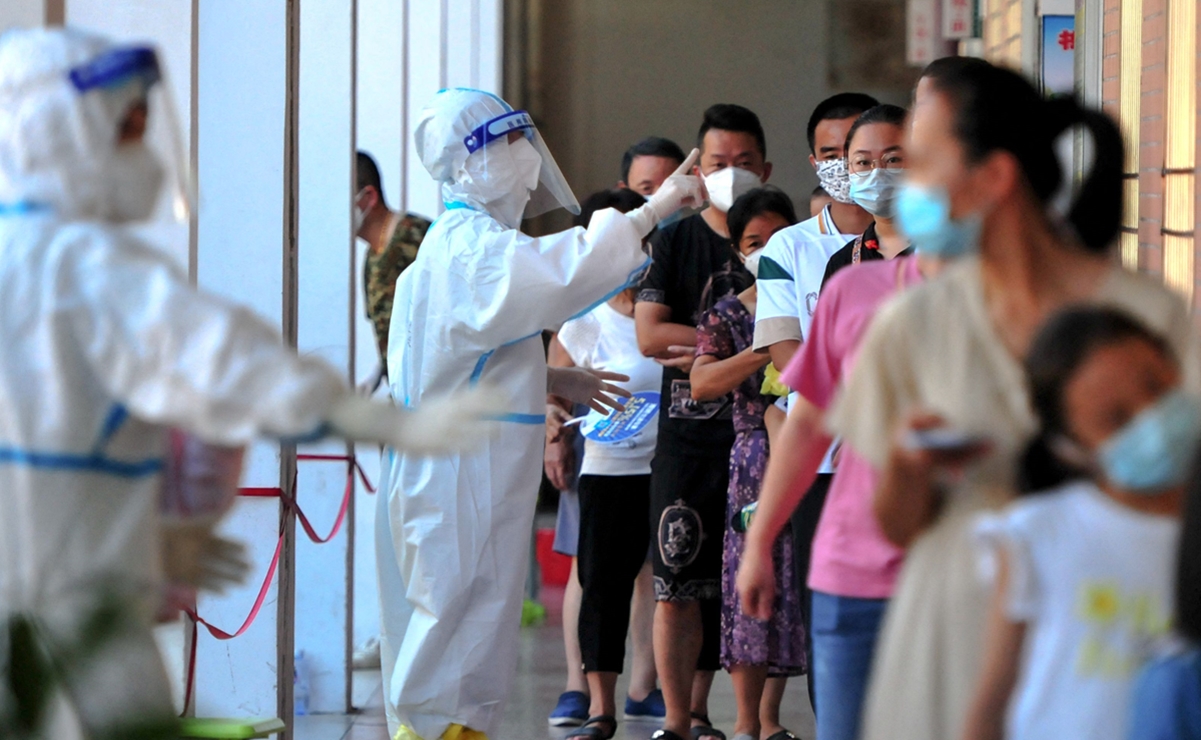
{"x": 804, "y": 527}
{"x": 614, "y": 541}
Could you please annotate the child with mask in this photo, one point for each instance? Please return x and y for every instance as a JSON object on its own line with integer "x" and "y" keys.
{"x": 760, "y": 655}
{"x": 1083, "y": 587}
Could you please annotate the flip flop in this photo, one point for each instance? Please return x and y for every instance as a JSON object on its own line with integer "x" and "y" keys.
{"x": 783, "y": 735}
{"x": 665, "y": 735}
{"x": 706, "y": 728}
{"x": 593, "y": 730}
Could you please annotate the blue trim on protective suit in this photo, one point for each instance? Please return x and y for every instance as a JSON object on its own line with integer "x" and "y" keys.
{"x": 116, "y": 417}
{"x": 20, "y": 208}
{"x": 79, "y": 463}
{"x": 529, "y": 419}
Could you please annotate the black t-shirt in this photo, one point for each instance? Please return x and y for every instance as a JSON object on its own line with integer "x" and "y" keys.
{"x": 685, "y": 255}
{"x": 845, "y": 257}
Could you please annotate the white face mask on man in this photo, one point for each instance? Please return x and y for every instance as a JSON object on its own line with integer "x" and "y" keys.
{"x": 725, "y": 185}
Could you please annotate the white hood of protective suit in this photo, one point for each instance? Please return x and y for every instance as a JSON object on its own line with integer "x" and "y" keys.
{"x": 58, "y": 147}
{"x": 497, "y": 179}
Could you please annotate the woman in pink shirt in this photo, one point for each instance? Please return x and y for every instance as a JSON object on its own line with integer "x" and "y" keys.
{"x": 853, "y": 566}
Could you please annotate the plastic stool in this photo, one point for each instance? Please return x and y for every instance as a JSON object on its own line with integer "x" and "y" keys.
{"x": 230, "y": 729}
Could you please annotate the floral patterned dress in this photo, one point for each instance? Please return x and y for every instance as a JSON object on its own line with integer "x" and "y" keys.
{"x": 779, "y": 643}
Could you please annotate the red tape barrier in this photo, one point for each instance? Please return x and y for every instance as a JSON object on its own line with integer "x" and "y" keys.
{"x": 290, "y": 503}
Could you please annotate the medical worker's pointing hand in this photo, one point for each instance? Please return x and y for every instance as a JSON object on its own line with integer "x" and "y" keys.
{"x": 679, "y": 190}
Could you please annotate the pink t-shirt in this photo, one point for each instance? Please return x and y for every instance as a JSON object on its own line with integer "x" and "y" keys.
{"x": 851, "y": 555}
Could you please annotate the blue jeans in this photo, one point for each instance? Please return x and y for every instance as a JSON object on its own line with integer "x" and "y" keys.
{"x": 844, "y": 639}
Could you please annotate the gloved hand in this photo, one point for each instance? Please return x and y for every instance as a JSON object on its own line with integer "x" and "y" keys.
{"x": 678, "y": 191}
{"x": 588, "y": 387}
{"x": 438, "y": 426}
{"x": 195, "y": 555}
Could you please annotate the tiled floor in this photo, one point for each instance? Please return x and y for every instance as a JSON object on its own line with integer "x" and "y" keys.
{"x": 538, "y": 682}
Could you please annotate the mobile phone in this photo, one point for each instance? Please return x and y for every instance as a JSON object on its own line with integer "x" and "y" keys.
{"x": 943, "y": 439}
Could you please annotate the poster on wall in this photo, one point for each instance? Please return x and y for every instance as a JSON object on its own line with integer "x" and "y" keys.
{"x": 1059, "y": 55}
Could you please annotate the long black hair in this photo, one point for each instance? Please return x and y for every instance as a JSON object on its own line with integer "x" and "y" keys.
{"x": 1060, "y": 348}
{"x": 998, "y": 110}
{"x": 733, "y": 277}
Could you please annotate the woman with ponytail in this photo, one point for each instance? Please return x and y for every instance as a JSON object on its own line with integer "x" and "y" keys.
{"x": 937, "y": 401}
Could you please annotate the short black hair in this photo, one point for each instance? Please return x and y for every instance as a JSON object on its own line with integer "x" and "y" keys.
{"x": 836, "y": 108}
{"x": 894, "y": 115}
{"x": 766, "y": 199}
{"x": 731, "y": 117}
{"x": 651, "y": 146}
{"x": 819, "y": 192}
{"x": 623, "y": 199}
{"x": 366, "y": 172}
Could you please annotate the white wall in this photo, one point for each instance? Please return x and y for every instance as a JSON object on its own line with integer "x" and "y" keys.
{"x": 325, "y": 262}
{"x": 616, "y": 71}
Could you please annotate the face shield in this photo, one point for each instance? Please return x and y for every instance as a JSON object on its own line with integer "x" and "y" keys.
{"x": 148, "y": 166}
{"x": 526, "y": 165}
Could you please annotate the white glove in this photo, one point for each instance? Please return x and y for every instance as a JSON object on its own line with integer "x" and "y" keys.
{"x": 588, "y": 387}
{"x": 443, "y": 425}
{"x": 195, "y": 555}
{"x": 679, "y": 190}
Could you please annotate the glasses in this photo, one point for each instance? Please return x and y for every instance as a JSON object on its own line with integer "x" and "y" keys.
{"x": 863, "y": 165}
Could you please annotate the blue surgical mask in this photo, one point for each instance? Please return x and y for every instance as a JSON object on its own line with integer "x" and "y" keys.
{"x": 924, "y": 216}
{"x": 876, "y": 191}
{"x": 1155, "y": 450}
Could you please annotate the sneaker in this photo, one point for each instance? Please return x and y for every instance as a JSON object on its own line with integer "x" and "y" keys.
{"x": 571, "y": 711}
{"x": 652, "y": 707}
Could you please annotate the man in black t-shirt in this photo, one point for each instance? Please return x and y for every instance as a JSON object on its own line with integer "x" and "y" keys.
{"x": 690, "y": 471}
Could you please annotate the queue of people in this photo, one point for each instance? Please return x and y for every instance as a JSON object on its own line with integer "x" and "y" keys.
{"x": 968, "y": 524}
{"x": 931, "y": 447}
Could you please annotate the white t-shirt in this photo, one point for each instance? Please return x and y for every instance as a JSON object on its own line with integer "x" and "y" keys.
{"x": 1093, "y": 580}
{"x": 605, "y": 340}
{"x": 790, "y": 278}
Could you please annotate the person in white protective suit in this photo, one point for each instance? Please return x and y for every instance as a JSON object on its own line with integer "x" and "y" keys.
{"x": 103, "y": 345}
{"x": 453, "y": 532}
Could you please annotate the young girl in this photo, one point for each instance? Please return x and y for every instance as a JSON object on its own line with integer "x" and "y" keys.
{"x": 1083, "y": 571}
{"x": 751, "y": 650}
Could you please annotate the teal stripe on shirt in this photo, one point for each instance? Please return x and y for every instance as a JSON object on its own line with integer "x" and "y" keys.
{"x": 769, "y": 269}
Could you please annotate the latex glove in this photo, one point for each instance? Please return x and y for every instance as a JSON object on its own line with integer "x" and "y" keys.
{"x": 679, "y": 190}
{"x": 450, "y": 424}
{"x": 588, "y": 387}
{"x": 195, "y": 555}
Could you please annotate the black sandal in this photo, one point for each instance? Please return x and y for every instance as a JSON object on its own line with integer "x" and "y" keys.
{"x": 706, "y": 728}
{"x": 665, "y": 735}
{"x": 783, "y": 735}
{"x": 592, "y": 730}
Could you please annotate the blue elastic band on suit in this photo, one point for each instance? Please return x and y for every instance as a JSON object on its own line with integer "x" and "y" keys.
{"x": 21, "y": 208}
{"x": 630, "y": 281}
{"x": 529, "y": 419}
{"x": 79, "y": 463}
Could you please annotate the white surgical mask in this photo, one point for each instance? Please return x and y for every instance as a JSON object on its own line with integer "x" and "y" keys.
{"x": 359, "y": 214}
{"x": 136, "y": 178}
{"x": 751, "y": 261}
{"x": 876, "y": 191}
{"x": 835, "y": 179}
{"x": 727, "y": 184}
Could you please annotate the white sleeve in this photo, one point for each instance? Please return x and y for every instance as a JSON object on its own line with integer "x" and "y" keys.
{"x": 177, "y": 356}
{"x": 579, "y": 337}
{"x": 777, "y": 315}
{"x": 999, "y": 533}
{"x": 528, "y": 284}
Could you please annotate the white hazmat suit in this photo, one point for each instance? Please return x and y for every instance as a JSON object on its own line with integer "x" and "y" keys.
{"x": 453, "y": 532}
{"x": 104, "y": 345}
